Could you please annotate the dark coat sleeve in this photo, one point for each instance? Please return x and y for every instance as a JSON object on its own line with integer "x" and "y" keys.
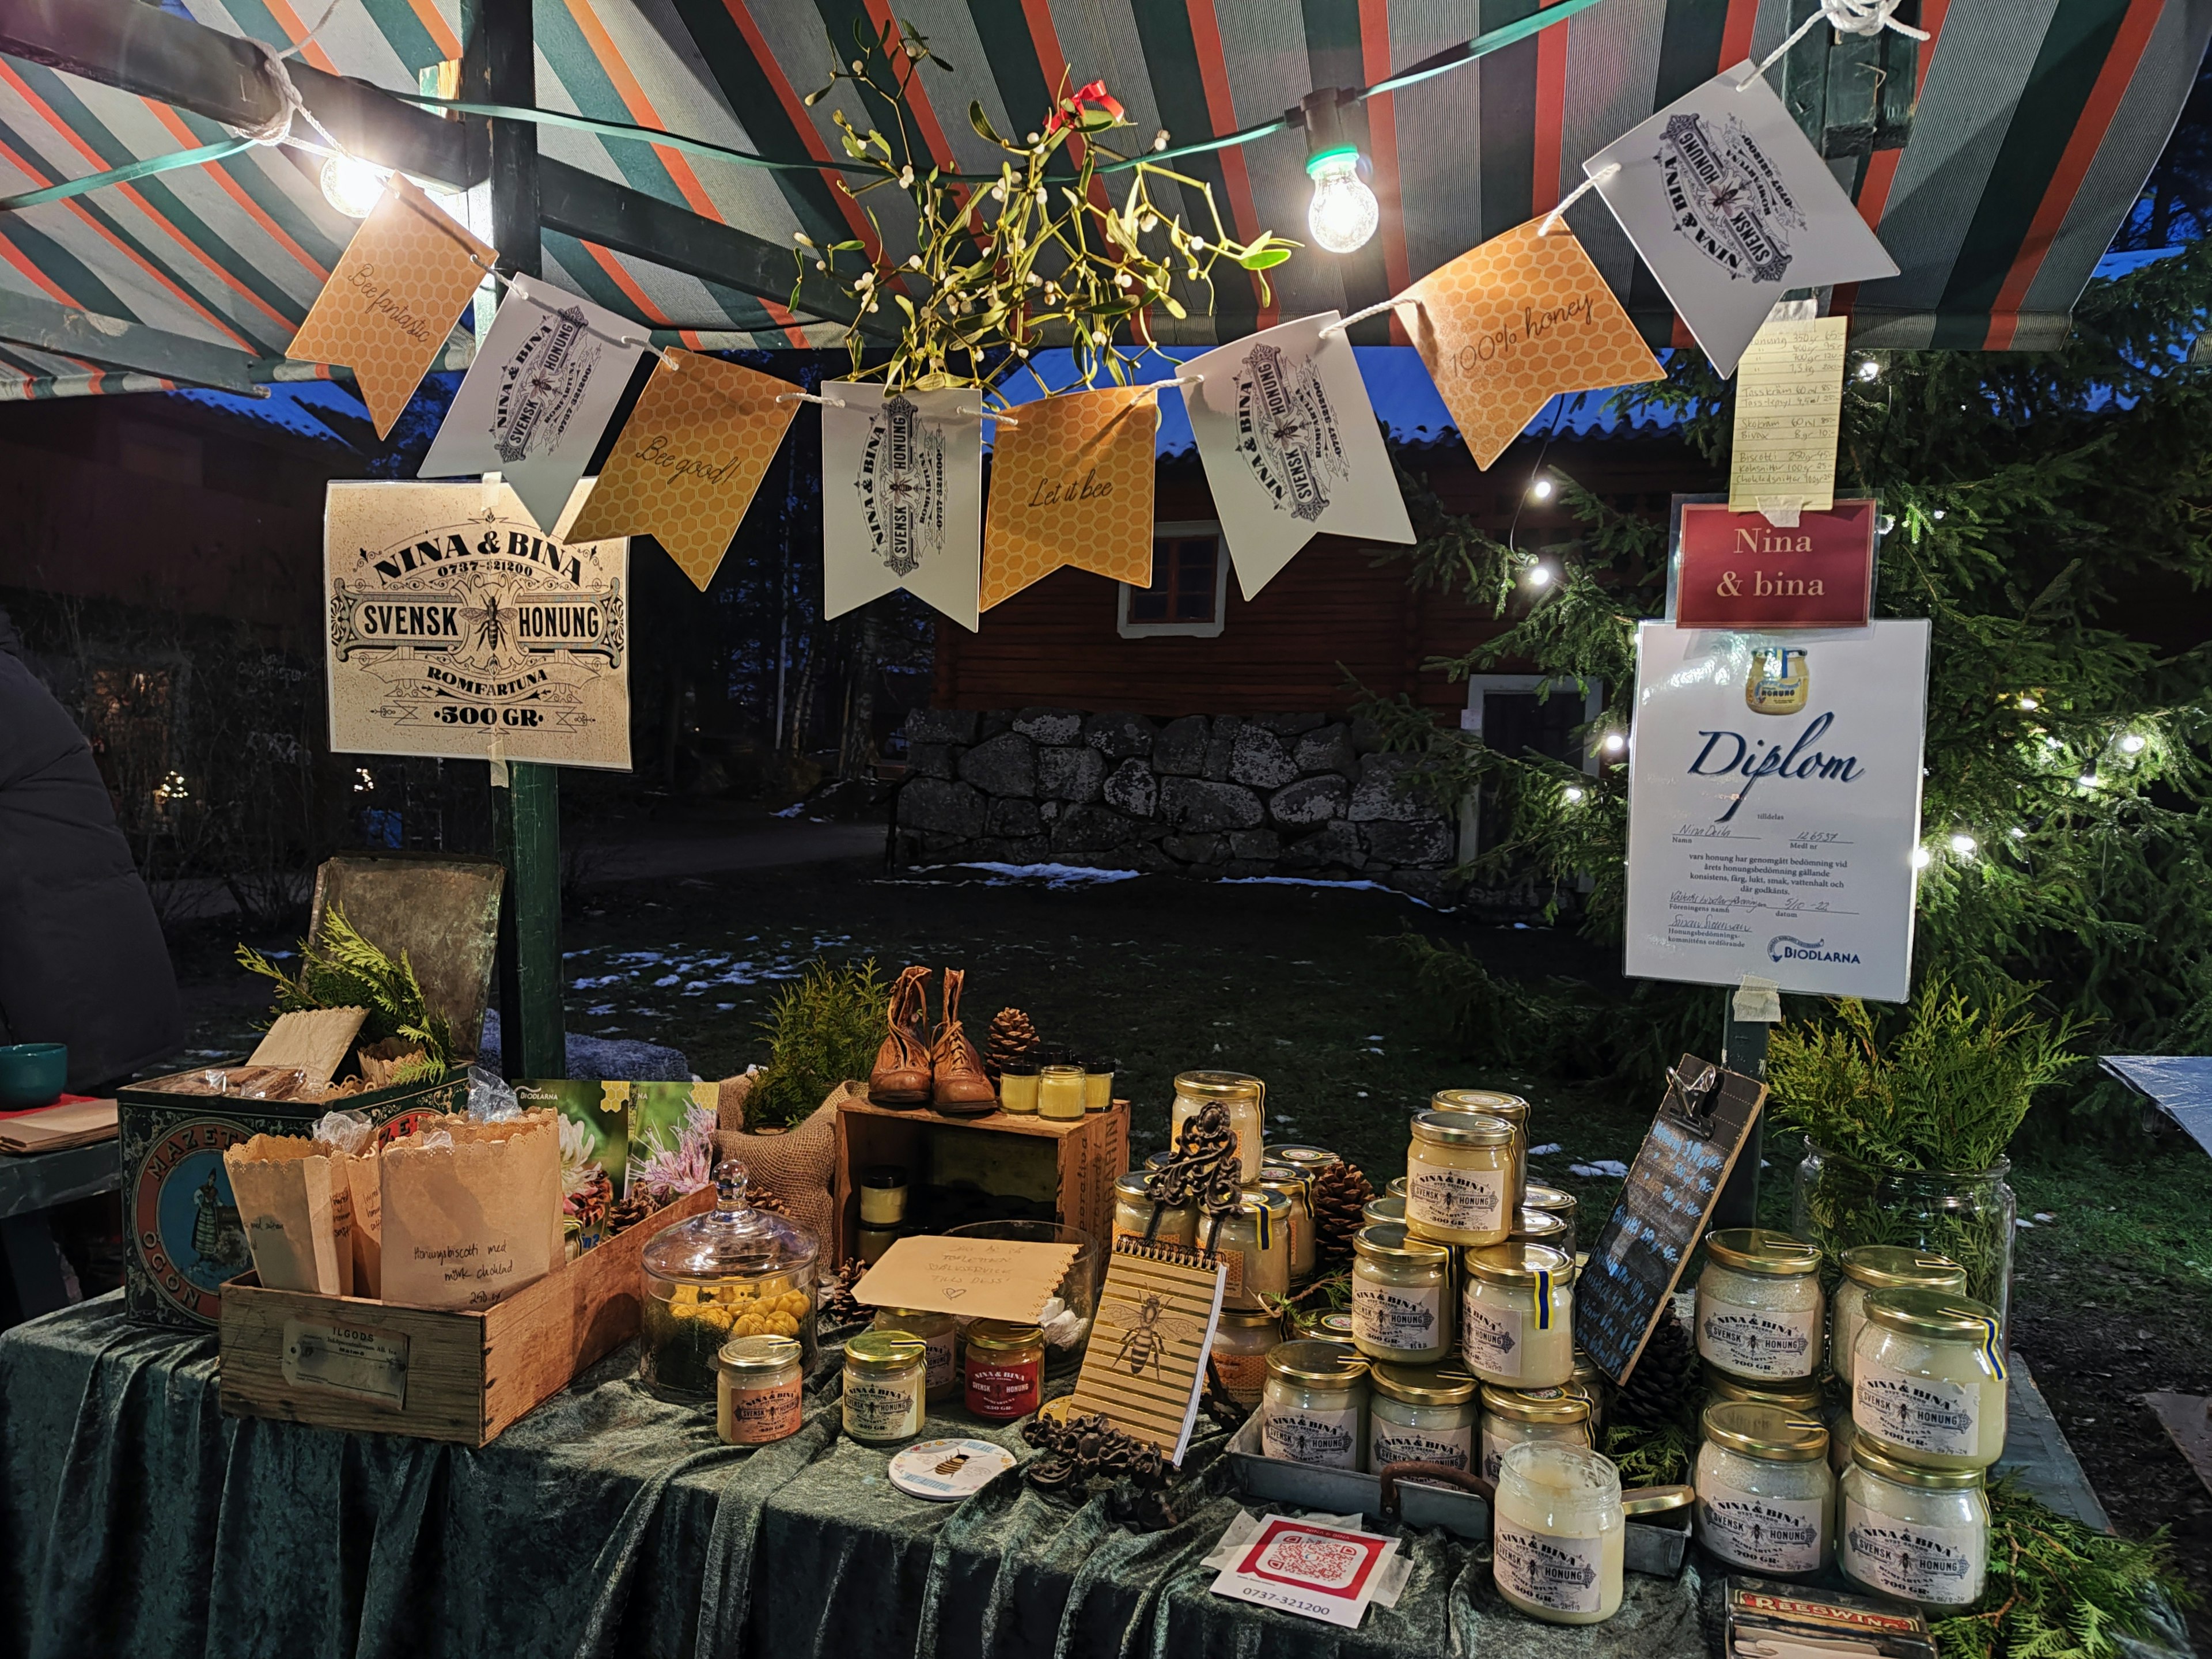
{"x": 82, "y": 958}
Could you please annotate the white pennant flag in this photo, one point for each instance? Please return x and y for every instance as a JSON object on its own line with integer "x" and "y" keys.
{"x": 901, "y": 498}
{"x": 1291, "y": 447}
{"x": 1730, "y": 205}
{"x": 541, "y": 391}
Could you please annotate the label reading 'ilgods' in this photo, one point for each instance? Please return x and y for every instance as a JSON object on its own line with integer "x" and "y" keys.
{"x": 1938, "y": 1565}
{"x": 1392, "y": 1316}
{"x": 1329, "y": 1439}
{"x": 1394, "y": 1443}
{"x": 1490, "y": 1336}
{"x": 1462, "y": 1200}
{"x": 1752, "y": 1342}
{"x": 1558, "y": 1573}
{"x": 1922, "y": 1412}
{"x": 1773, "y": 1535}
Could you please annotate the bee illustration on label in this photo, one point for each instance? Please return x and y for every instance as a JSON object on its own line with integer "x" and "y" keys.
{"x": 1780, "y": 681}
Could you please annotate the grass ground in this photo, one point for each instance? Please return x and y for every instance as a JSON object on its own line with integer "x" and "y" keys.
{"x": 1303, "y": 987}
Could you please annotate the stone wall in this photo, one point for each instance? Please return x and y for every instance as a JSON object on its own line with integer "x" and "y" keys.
{"x": 1204, "y": 795}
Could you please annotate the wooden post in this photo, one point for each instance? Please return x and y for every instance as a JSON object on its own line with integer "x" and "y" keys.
{"x": 498, "y": 66}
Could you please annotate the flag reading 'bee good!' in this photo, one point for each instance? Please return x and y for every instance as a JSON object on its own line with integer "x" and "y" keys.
{"x": 689, "y": 458}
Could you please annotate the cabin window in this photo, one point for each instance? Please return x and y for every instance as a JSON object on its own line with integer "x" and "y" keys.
{"x": 1189, "y": 587}
{"x": 1518, "y": 714}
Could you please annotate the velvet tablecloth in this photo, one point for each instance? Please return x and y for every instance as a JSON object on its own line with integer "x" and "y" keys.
{"x": 139, "y": 1521}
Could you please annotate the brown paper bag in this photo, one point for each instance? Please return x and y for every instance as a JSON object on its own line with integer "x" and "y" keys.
{"x": 364, "y": 1176}
{"x": 471, "y": 1212}
{"x": 296, "y": 1202}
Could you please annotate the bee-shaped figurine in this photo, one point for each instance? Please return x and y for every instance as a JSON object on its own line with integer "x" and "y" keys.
{"x": 1147, "y": 1327}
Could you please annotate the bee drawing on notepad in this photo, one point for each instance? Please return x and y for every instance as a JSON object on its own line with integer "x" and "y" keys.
{"x": 1147, "y": 1329}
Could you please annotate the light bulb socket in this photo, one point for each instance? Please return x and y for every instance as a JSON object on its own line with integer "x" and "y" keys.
{"x": 1321, "y": 112}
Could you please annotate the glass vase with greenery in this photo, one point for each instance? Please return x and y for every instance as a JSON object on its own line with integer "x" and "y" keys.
{"x": 1907, "y": 1135}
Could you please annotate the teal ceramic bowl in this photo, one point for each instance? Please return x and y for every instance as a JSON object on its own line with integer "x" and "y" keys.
{"x": 32, "y": 1074}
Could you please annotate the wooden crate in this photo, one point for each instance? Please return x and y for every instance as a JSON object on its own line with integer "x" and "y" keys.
{"x": 1074, "y": 1164}
{"x": 346, "y": 1362}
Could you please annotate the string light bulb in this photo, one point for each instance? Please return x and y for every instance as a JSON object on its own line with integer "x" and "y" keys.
{"x": 1869, "y": 370}
{"x": 1921, "y": 857}
{"x": 1344, "y": 212}
{"x": 1615, "y": 743}
{"x": 1540, "y": 576}
{"x": 2133, "y": 744}
{"x": 1540, "y": 491}
{"x": 1964, "y": 844}
{"x": 1573, "y": 793}
{"x": 352, "y": 185}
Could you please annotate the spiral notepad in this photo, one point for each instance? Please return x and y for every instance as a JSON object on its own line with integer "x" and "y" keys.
{"x": 1146, "y": 1366}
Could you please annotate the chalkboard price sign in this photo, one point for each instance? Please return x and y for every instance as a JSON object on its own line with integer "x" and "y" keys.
{"x": 1670, "y": 1194}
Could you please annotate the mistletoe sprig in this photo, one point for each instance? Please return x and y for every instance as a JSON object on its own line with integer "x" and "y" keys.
{"x": 1033, "y": 254}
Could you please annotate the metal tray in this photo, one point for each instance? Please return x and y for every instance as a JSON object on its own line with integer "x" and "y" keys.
{"x": 1656, "y": 1547}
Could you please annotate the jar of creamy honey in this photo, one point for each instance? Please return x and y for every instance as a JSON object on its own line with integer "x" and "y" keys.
{"x": 1459, "y": 1178}
{"x": 1759, "y": 1305}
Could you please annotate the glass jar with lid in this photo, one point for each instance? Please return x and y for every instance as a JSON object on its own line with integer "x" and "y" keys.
{"x": 1401, "y": 1296}
{"x": 1244, "y": 1098}
{"x": 1314, "y": 1409}
{"x": 1516, "y": 1314}
{"x": 886, "y": 1377}
{"x": 941, "y": 1331}
{"x": 1920, "y": 1535}
{"x": 1133, "y": 1208}
{"x": 1459, "y": 1178}
{"x": 1396, "y": 1188}
{"x": 1324, "y": 1325}
{"x": 1803, "y": 1397}
{"x": 1308, "y": 1161}
{"x": 1551, "y": 1201}
{"x": 1004, "y": 1371}
{"x": 1243, "y": 1339}
{"x": 1423, "y": 1414}
{"x": 1596, "y": 1387}
{"x": 733, "y": 1271}
{"x": 1017, "y": 1085}
{"x": 758, "y": 1391}
{"x": 1491, "y": 1103}
{"x": 1510, "y": 1416}
{"x": 1557, "y": 1533}
{"x": 1385, "y": 1208}
{"x": 1881, "y": 1268}
{"x": 1766, "y": 1498}
{"x": 1290, "y": 1186}
{"x": 1098, "y": 1082}
{"x": 1059, "y": 1092}
{"x": 1255, "y": 1239}
{"x": 1541, "y": 1227}
{"x": 1928, "y": 1383}
{"x": 1759, "y": 1305}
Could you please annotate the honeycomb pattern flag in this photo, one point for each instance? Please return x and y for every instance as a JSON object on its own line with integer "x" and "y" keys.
{"x": 1507, "y": 324}
{"x": 1071, "y": 484}
{"x": 397, "y": 292}
{"x": 688, "y": 460}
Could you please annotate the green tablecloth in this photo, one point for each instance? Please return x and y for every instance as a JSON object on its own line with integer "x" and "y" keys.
{"x": 139, "y": 1521}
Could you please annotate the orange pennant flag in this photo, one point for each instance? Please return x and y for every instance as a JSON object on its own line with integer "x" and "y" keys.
{"x": 1507, "y": 324}
{"x": 1071, "y": 484}
{"x": 688, "y": 460}
{"x": 395, "y": 296}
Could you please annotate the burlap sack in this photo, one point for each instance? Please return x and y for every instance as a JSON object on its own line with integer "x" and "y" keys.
{"x": 797, "y": 1164}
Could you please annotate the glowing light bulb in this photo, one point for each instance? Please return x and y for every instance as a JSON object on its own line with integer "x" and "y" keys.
{"x": 1572, "y": 794}
{"x": 2088, "y": 780}
{"x": 1869, "y": 370}
{"x": 1963, "y": 844}
{"x": 1920, "y": 857}
{"x": 2017, "y": 832}
{"x": 1345, "y": 212}
{"x": 1937, "y": 514}
{"x": 1540, "y": 491}
{"x": 1615, "y": 743}
{"x": 2133, "y": 744}
{"x": 1540, "y": 576}
{"x": 352, "y": 185}
{"x": 2030, "y": 704}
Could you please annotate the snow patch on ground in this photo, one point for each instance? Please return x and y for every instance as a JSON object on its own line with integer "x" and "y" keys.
{"x": 1361, "y": 886}
{"x": 1604, "y": 1166}
{"x": 1055, "y": 876}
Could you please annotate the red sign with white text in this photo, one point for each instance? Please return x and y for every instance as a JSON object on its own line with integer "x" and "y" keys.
{"x": 1738, "y": 570}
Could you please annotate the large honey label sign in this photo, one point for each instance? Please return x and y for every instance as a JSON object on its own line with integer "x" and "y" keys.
{"x": 456, "y": 628}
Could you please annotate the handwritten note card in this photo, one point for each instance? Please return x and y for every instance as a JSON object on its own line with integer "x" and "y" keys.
{"x": 974, "y": 1278}
{"x": 1789, "y": 404}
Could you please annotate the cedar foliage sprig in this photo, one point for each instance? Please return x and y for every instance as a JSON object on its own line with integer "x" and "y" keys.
{"x": 1947, "y": 1092}
{"x": 820, "y": 1031}
{"x": 2059, "y": 1589}
{"x": 340, "y": 968}
{"x": 1040, "y": 253}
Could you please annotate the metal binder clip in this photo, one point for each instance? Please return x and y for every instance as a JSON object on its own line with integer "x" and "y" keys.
{"x": 1694, "y": 1100}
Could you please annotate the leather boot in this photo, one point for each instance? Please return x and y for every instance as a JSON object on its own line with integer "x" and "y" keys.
{"x": 901, "y": 1075}
{"x": 962, "y": 1088}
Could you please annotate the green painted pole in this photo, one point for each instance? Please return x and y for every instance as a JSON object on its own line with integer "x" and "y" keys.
{"x": 498, "y": 65}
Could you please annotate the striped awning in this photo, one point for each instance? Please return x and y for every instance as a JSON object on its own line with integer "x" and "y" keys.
{"x": 2037, "y": 123}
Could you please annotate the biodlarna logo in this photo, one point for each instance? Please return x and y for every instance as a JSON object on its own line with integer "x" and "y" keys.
{"x": 1786, "y": 947}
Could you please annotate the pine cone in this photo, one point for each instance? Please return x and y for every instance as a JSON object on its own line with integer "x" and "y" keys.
{"x": 1668, "y": 1374}
{"x": 764, "y": 1199}
{"x": 1010, "y": 1037}
{"x": 1340, "y": 1193}
{"x": 837, "y": 1305}
{"x": 628, "y": 1212}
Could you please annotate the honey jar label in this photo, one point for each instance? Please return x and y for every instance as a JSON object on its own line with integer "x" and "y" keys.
{"x": 1392, "y": 1442}
{"x": 1462, "y": 1200}
{"x": 1924, "y": 1414}
{"x": 1752, "y": 1342}
{"x": 1003, "y": 1392}
{"x": 1391, "y": 1316}
{"x": 1940, "y": 1565}
{"x": 1490, "y": 1337}
{"x": 1772, "y": 1534}
{"x": 753, "y": 1417}
{"x": 1554, "y": 1572}
{"x": 1329, "y": 1439}
{"x": 882, "y": 1410}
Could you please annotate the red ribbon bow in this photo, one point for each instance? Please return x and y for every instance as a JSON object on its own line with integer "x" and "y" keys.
{"x": 1094, "y": 94}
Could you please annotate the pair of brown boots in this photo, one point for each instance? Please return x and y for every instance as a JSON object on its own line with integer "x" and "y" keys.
{"x": 946, "y": 1073}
